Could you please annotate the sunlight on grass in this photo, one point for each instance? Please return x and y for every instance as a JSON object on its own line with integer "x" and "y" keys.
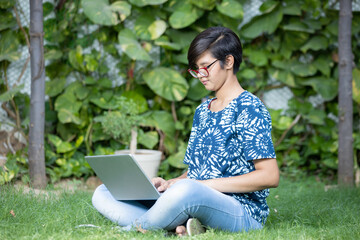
{"x": 299, "y": 210}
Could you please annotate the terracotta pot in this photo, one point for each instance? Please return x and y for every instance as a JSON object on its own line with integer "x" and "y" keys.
{"x": 149, "y": 160}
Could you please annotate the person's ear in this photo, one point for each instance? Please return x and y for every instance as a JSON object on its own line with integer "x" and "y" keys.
{"x": 229, "y": 61}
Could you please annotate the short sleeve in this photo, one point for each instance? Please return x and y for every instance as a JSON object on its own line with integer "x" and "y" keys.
{"x": 253, "y": 128}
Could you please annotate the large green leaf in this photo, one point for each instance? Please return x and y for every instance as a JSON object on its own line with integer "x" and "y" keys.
{"x": 316, "y": 116}
{"x": 176, "y": 160}
{"x": 61, "y": 146}
{"x": 105, "y": 83}
{"x": 256, "y": 57}
{"x": 185, "y": 15}
{"x": 204, "y": 4}
{"x": 66, "y": 116}
{"x": 148, "y": 139}
{"x": 142, "y": 3}
{"x": 197, "y": 90}
{"x": 180, "y": 37}
{"x": 67, "y": 101}
{"x": 268, "y": 6}
{"x": 283, "y": 76}
{"x": 167, "y": 83}
{"x": 82, "y": 93}
{"x": 231, "y": 8}
{"x": 281, "y": 64}
{"x": 282, "y": 122}
{"x": 7, "y": 20}
{"x": 91, "y": 62}
{"x": 247, "y": 73}
{"x": 138, "y": 99}
{"x": 298, "y": 27}
{"x": 55, "y": 87}
{"x": 7, "y": 3}
{"x": 53, "y": 54}
{"x": 324, "y": 63}
{"x": 8, "y": 95}
{"x": 48, "y": 8}
{"x": 292, "y": 8}
{"x": 156, "y": 29}
{"x": 182, "y": 58}
{"x": 303, "y": 69}
{"x": 266, "y": 23}
{"x": 104, "y": 103}
{"x": 160, "y": 120}
{"x": 131, "y": 46}
{"x": 316, "y": 43}
{"x": 9, "y": 46}
{"x": 164, "y": 42}
{"x": 101, "y": 12}
{"x": 326, "y": 87}
{"x": 293, "y": 40}
{"x": 219, "y": 19}
{"x": 147, "y": 28}
{"x": 356, "y": 85}
{"x": 76, "y": 58}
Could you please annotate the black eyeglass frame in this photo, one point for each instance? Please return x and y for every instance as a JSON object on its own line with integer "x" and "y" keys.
{"x": 192, "y": 72}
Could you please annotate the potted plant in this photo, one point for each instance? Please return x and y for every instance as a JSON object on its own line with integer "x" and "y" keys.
{"x": 123, "y": 124}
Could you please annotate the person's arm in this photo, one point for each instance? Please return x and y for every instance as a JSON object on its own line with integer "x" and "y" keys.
{"x": 162, "y": 184}
{"x": 265, "y": 176}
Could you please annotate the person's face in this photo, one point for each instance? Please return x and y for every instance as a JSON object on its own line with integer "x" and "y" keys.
{"x": 209, "y": 72}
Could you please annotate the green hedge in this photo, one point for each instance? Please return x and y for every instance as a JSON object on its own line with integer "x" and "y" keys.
{"x": 99, "y": 49}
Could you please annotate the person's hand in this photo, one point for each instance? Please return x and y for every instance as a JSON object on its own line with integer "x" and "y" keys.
{"x": 161, "y": 184}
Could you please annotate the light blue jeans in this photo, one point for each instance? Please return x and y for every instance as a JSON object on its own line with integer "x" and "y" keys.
{"x": 186, "y": 198}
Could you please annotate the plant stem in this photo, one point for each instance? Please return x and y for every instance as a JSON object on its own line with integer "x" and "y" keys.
{"x": 133, "y": 141}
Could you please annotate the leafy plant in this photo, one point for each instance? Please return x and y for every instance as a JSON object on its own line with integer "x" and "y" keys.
{"x": 97, "y": 51}
{"x": 123, "y": 123}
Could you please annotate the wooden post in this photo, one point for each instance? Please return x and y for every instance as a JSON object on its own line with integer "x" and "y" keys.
{"x": 37, "y": 101}
{"x": 345, "y": 153}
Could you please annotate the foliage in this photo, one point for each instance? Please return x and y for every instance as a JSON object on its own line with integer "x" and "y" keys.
{"x": 97, "y": 51}
{"x": 118, "y": 124}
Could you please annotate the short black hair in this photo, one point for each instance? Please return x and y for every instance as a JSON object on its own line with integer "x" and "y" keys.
{"x": 221, "y": 42}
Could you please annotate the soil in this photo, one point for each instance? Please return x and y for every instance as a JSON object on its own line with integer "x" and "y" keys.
{"x": 66, "y": 185}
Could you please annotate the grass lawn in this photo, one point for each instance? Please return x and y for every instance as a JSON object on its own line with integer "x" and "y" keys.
{"x": 299, "y": 210}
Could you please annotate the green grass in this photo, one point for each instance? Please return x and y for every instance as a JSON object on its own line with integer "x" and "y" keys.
{"x": 299, "y": 210}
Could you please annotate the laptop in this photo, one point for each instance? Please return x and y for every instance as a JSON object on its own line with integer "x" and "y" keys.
{"x": 123, "y": 177}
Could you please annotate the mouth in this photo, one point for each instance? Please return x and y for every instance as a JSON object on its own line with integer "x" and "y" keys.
{"x": 204, "y": 82}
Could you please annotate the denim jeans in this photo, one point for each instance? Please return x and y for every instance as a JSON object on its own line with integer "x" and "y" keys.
{"x": 186, "y": 198}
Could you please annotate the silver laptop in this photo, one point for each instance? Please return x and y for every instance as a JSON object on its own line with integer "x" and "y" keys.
{"x": 123, "y": 177}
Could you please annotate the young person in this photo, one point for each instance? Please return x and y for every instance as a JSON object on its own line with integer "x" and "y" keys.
{"x": 230, "y": 154}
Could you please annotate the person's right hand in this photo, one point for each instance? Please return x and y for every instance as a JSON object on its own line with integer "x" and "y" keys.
{"x": 161, "y": 184}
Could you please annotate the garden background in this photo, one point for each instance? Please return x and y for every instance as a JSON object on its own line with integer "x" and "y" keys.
{"x": 98, "y": 50}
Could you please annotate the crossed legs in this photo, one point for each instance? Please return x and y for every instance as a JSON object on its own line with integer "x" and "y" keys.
{"x": 186, "y": 198}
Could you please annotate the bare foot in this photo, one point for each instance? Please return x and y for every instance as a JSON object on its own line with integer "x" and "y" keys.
{"x": 181, "y": 231}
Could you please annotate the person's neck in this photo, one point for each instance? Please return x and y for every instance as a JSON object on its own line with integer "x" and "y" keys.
{"x": 230, "y": 90}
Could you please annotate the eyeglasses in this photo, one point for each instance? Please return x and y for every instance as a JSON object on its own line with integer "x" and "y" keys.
{"x": 202, "y": 71}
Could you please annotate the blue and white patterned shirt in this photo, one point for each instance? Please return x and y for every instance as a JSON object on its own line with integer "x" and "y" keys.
{"x": 224, "y": 143}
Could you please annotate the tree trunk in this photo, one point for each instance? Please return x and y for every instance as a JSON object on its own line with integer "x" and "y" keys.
{"x": 37, "y": 102}
{"x": 345, "y": 153}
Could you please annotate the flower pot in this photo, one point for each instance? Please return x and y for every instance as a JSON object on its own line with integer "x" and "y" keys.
{"x": 149, "y": 160}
